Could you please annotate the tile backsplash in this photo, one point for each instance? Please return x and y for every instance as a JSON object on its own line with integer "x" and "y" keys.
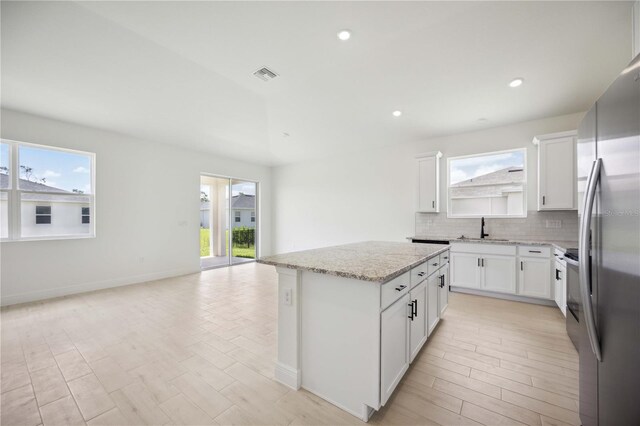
{"x": 557, "y": 225}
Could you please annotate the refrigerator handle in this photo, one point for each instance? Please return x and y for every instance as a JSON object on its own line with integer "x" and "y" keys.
{"x": 585, "y": 270}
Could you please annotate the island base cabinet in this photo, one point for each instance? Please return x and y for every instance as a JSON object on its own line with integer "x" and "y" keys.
{"x": 433, "y": 313}
{"x": 443, "y": 293}
{"x": 394, "y": 334}
{"x": 417, "y": 319}
{"x": 534, "y": 277}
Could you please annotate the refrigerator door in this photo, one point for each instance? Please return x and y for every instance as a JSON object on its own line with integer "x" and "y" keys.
{"x": 588, "y": 370}
{"x": 616, "y": 250}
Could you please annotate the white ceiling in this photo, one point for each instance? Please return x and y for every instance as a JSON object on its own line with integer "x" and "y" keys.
{"x": 181, "y": 72}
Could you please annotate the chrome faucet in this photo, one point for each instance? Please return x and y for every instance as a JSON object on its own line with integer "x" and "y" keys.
{"x": 482, "y": 234}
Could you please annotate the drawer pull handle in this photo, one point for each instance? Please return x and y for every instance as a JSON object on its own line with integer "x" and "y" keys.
{"x": 421, "y": 274}
{"x": 434, "y": 264}
{"x": 402, "y": 287}
{"x": 535, "y": 251}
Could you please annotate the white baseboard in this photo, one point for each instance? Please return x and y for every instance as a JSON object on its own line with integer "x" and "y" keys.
{"x": 33, "y": 296}
{"x": 512, "y": 297}
{"x": 288, "y": 376}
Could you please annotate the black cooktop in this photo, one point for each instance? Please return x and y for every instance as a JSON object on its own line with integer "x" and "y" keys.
{"x": 572, "y": 253}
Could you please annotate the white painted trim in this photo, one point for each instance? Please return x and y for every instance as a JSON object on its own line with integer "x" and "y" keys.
{"x": 91, "y": 286}
{"x": 569, "y": 133}
{"x": 436, "y": 154}
{"x": 504, "y": 296}
{"x": 288, "y": 376}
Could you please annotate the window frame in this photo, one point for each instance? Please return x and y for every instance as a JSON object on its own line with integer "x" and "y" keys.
{"x": 44, "y": 215}
{"x": 237, "y": 216}
{"x": 253, "y": 217}
{"x": 482, "y": 154}
{"x": 15, "y": 193}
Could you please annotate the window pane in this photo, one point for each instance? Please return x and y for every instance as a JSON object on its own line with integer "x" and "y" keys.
{"x": 487, "y": 185}
{"x": 43, "y": 209}
{"x": 4, "y": 215}
{"x": 41, "y": 220}
{"x": 53, "y": 171}
{"x": 5, "y": 161}
{"x": 63, "y": 220}
{"x": 85, "y": 210}
{"x": 86, "y": 219}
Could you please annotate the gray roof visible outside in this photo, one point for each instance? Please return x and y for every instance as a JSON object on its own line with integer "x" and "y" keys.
{"x": 499, "y": 177}
{"x": 51, "y": 193}
{"x": 493, "y": 184}
{"x": 243, "y": 201}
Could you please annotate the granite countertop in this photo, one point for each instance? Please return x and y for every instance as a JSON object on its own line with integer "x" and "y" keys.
{"x": 559, "y": 244}
{"x": 375, "y": 261}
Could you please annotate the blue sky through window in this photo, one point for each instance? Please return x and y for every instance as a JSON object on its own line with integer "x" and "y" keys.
{"x": 471, "y": 167}
{"x": 59, "y": 169}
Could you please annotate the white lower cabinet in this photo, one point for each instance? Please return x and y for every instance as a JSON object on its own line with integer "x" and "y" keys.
{"x": 498, "y": 273}
{"x": 534, "y": 276}
{"x": 433, "y": 313}
{"x": 394, "y": 347}
{"x": 418, "y": 319}
{"x": 465, "y": 270}
{"x": 443, "y": 293}
{"x": 560, "y": 290}
{"x": 520, "y": 271}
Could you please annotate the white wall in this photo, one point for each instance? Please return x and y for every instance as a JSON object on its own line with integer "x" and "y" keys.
{"x": 147, "y": 213}
{"x": 372, "y": 195}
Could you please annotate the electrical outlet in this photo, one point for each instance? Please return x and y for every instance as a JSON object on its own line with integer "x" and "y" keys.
{"x": 286, "y": 296}
{"x": 554, "y": 224}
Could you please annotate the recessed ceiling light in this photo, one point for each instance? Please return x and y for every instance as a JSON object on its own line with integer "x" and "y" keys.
{"x": 344, "y": 35}
{"x": 397, "y": 113}
{"x": 516, "y": 82}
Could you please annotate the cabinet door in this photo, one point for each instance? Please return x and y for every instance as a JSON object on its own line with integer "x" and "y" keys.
{"x": 498, "y": 273}
{"x": 465, "y": 271}
{"x": 534, "y": 277}
{"x": 557, "y": 175}
{"x": 394, "y": 334}
{"x": 559, "y": 280}
{"x": 443, "y": 293}
{"x": 428, "y": 184}
{"x": 418, "y": 322}
{"x": 433, "y": 314}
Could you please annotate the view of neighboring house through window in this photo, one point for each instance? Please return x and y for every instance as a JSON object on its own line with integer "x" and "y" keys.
{"x": 43, "y": 215}
{"x": 490, "y": 184}
{"x": 46, "y": 192}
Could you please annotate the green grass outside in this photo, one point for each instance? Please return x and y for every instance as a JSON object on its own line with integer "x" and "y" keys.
{"x": 238, "y": 251}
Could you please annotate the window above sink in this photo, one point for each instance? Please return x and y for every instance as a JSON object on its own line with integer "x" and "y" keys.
{"x": 492, "y": 184}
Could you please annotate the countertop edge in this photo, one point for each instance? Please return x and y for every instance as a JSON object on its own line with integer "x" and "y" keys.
{"x": 556, "y": 244}
{"x": 379, "y": 280}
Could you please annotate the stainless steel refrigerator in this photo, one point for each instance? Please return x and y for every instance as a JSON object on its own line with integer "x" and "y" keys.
{"x": 608, "y": 154}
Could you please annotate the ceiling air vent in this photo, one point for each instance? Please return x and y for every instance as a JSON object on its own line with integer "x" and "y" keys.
{"x": 265, "y": 74}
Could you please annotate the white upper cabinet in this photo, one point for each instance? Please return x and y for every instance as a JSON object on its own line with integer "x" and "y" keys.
{"x": 429, "y": 182}
{"x": 557, "y": 171}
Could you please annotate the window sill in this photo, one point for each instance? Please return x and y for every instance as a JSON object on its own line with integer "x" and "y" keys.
{"x": 52, "y": 238}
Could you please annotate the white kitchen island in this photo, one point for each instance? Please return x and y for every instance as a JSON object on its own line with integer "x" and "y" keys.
{"x": 351, "y": 318}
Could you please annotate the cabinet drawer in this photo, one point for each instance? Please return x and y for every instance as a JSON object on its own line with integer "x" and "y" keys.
{"x": 444, "y": 258}
{"x": 419, "y": 273}
{"x": 433, "y": 264}
{"x": 534, "y": 251}
{"x": 395, "y": 289}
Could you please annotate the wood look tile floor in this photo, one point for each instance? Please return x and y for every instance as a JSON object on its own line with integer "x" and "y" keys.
{"x": 200, "y": 349}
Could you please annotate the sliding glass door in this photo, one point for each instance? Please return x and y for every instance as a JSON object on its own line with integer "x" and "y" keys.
{"x": 228, "y": 221}
{"x": 243, "y": 220}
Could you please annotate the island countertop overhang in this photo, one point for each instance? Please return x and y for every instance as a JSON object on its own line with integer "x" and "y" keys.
{"x": 374, "y": 261}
